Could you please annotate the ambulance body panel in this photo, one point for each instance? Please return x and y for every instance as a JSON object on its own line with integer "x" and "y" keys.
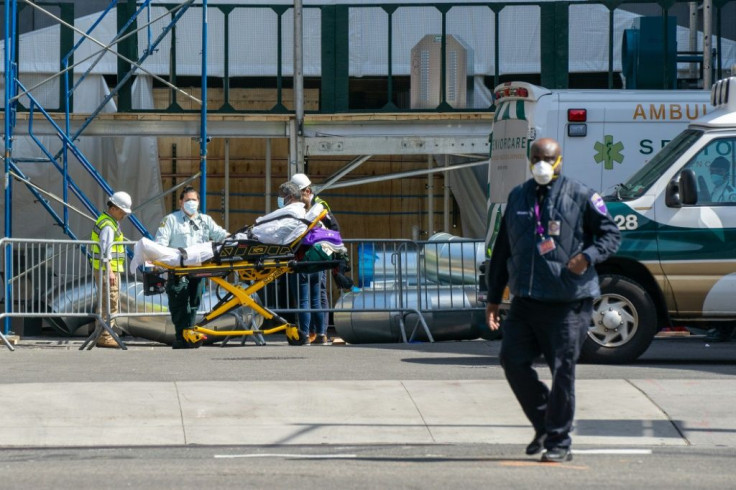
{"x": 677, "y": 262}
{"x": 622, "y": 129}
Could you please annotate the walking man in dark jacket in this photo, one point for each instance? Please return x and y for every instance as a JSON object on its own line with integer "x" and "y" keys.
{"x": 554, "y": 231}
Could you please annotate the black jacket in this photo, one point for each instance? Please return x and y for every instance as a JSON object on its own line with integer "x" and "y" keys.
{"x": 583, "y": 225}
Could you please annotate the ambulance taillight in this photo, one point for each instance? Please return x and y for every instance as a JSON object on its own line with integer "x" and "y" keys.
{"x": 511, "y": 91}
{"x": 577, "y": 115}
{"x": 576, "y": 127}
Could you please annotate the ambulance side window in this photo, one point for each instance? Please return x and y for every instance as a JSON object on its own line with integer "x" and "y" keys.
{"x": 714, "y": 172}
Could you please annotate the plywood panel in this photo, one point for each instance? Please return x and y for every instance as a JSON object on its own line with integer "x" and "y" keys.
{"x": 387, "y": 209}
{"x": 241, "y": 99}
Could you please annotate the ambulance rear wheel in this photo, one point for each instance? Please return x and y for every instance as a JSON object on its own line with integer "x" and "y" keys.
{"x": 624, "y": 322}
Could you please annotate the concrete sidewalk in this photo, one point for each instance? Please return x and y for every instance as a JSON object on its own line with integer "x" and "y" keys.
{"x": 613, "y": 412}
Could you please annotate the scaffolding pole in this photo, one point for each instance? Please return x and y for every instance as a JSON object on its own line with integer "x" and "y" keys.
{"x": 203, "y": 118}
{"x": 10, "y": 10}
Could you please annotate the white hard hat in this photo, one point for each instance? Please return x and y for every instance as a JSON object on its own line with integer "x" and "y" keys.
{"x": 301, "y": 180}
{"x": 122, "y": 200}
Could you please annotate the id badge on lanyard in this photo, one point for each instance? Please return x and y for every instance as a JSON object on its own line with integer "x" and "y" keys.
{"x": 545, "y": 244}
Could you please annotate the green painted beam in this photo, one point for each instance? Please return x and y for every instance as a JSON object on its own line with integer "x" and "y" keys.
{"x": 555, "y": 28}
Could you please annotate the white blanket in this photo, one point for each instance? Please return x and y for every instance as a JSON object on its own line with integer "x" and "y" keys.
{"x": 146, "y": 250}
{"x": 284, "y": 225}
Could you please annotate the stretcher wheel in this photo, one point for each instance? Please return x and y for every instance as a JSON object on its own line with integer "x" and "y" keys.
{"x": 193, "y": 338}
{"x": 197, "y": 344}
{"x": 294, "y": 336}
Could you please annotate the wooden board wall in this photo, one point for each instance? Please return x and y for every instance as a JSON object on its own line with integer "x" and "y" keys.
{"x": 388, "y": 209}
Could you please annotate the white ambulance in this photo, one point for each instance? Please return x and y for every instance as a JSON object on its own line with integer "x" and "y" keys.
{"x": 606, "y": 135}
{"x": 677, "y": 261}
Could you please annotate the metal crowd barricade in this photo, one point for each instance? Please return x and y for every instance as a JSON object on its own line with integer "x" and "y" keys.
{"x": 400, "y": 287}
{"x": 388, "y": 280}
{"x": 283, "y": 297}
{"x": 433, "y": 283}
{"x": 403, "y": 290}
{"x": 54, "y": 280}
{"x": 36, "y": 271}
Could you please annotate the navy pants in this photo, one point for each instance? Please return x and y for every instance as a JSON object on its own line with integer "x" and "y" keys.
{"x": 556, "y": 331}
{"x": 185, "y": 296}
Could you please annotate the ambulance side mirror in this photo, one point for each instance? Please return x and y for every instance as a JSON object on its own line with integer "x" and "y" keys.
{"x": 682, "y": 190}
{"x": 688, "y": 187}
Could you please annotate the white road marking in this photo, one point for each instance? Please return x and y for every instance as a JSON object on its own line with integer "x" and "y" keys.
{"x": 353, "y": 456}
{"x": 287, "y": 456}
{"x": 612, "y": 451}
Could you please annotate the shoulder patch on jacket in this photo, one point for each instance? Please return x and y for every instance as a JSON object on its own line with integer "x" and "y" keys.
{"x": 598, "y": 203}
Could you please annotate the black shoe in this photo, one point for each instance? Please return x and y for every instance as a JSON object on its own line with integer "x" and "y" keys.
{"x": 557, "y": 455}
{"x": 180, "y": 344}
{"x": 535, "y": 447}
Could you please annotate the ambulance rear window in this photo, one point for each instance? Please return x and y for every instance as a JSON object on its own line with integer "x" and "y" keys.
{"x": 643, "y": 179}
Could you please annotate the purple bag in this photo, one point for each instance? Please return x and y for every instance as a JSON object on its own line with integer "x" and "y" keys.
{"x": 322, "y": 235}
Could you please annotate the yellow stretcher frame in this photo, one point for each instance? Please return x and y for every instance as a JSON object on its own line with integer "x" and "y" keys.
{"x": 266, "y": 269}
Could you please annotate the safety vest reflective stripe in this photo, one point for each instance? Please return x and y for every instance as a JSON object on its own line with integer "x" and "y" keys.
{"x": 321, "y": 201}
{"x": 117, "y": 255}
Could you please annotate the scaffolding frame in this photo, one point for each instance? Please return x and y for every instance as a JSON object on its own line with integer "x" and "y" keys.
{"x": 14, "y": 90}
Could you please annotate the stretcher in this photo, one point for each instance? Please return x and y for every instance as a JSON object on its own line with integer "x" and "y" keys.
{"x": 253, "y": 265}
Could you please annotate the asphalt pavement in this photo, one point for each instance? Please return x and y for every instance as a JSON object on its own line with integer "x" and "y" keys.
{"x": 53, "y": 395}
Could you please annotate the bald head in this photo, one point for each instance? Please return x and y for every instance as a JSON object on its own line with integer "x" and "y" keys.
{"x": 545, "y": 149}
{"x": 548, "y": 150}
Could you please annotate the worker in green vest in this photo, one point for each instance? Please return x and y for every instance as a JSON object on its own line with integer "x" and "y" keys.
{"x": 108, "y": 260}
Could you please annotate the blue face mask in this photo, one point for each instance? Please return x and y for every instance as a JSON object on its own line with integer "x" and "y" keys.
{"x": 717, "y": 179}
{"x": 190, "y": 207}
{"x": 280, "y": 202}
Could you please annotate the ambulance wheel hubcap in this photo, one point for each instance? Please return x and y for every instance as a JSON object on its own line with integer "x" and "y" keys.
{"x": 615, "y": 320}
{"x": 612, "y": 319}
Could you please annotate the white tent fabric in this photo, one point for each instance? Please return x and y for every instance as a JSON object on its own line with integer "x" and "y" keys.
{"x": 126, "y": 163}
{"x": 469, "y": 189}
{"x": 253, "y": 39}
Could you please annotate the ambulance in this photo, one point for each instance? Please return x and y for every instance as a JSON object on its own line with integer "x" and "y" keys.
{"x": 677, "y": 262}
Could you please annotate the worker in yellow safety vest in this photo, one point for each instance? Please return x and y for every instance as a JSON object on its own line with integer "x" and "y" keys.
{"x": 108, "y": 260}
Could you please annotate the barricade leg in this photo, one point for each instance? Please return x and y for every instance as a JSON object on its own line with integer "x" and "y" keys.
{"x": 420, "y": 321}
{"x": 402, "y": 329}
{"x": 6, "y": 341}
{"x": 256, "y": 334}
{"x": 101, "y": 325}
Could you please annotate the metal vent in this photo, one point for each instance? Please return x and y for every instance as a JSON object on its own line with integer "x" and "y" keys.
{"x": 426, "y": 66}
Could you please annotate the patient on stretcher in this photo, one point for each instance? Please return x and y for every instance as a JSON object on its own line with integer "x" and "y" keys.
{"x": 280, "y": 227}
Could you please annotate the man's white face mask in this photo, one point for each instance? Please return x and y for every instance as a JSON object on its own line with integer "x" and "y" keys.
{"x": 544, "y": 171}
